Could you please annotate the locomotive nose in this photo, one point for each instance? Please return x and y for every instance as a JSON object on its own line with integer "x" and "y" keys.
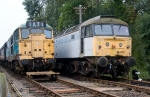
{"x": 102, "y": 61}
{"x": 131, "y": 61}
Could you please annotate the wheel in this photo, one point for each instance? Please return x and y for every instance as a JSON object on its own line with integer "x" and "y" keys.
{"x": 56, "y": 76}
{"x": 16, "y": 64}
{"x": 31, "y": 66}
{"x": 71, "y": 68}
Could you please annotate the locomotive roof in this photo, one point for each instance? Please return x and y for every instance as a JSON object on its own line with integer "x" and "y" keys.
{"x": 103, "y": 19}
{"x": 3, "y": 46}
{"x": 96, "y": 20}
{"x": 24, "y": 26}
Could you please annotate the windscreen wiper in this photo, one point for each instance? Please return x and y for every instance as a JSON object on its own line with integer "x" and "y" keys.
{"x": 119, "y": 28}
{"x": 102, "y": 28}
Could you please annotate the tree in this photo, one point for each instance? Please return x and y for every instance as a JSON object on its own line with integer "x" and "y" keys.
{"x": 53, "y": 12}
{"x": 142, "y": 29}
{"x": 143, "y": 6}
{"x": 34, "y": 9}
{"x": 68, "y": 16}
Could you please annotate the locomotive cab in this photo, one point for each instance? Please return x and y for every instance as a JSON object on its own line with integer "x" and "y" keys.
{"x": 108, "y": 41}
{"x": 37, "y": 37}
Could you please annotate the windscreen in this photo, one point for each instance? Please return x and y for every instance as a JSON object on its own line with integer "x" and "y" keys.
{"x": 103, "y": 30}
{"x": 36, "y": 31}
{"x": 48, "y": 33}
{"x": 24, "y": 33}
{"x": 109, "y": 30}
{"x": 121, "y": 30}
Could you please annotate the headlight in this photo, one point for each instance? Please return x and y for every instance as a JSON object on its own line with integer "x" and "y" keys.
{"x": 120, "y": 44}
{"x": 107, "y": 44}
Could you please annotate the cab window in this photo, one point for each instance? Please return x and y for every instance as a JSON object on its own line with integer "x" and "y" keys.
{"x": 36, "y": 31}
{"x": 48, "y": 33}
{"x": 82, "y": 32}
{"x": 16, "y": 35}
{"x": 88, "y": 31}
{"x": 11, "y": 40}
{"x": 104, "y": 29}
{"x": 24, "y": 33}
{"x": 121, "y": 30}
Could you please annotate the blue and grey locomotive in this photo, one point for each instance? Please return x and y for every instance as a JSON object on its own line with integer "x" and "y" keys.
{"x": 29, "y": 48}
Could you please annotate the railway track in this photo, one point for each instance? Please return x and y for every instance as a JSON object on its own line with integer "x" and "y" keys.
{"x": 77, "y": 87}
{"x": 133, "y": 82}
{"x": 63, "y": 88}
{"x": 139, "y": 83}
{"x": 30, "y": 87}
{"x": 60, "y": 89}
{"x": 140, "y": 86}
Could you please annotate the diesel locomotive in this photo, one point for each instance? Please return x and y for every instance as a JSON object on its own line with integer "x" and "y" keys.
{"x": 29, "y": 48}
{"x": 98, "y": 46}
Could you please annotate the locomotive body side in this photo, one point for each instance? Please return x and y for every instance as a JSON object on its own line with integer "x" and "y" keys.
{"x": 103, "y": 47}
{"x": 12, "y": 47}
{"x": 3, "y": 54}
{"x": 64, "y": 46}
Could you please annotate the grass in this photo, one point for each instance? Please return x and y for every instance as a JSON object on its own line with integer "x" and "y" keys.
{"x": 143, "y": 74}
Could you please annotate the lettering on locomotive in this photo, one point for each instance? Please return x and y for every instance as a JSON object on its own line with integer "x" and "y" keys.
{"x": 33, "y": 24}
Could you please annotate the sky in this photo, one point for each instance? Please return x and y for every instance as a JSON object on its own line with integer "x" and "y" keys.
{"x": 12, "y": 14}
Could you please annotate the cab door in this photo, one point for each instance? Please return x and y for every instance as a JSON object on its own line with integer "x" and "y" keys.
{"x": 82, "y": 40}
{"x": 86, "y": 41}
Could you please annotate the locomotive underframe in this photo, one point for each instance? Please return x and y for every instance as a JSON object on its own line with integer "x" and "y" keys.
{"x": 117, "y": 66}
{"x": 29, "y": 65}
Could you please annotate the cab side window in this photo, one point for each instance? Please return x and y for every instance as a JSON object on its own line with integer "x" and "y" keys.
{"x": 82, "y": 32}
{"x": 24, "y": 33}
{"x": 88, "y": 31}
{"x": 11, "y": 41}
{"x": 16, "y": 35}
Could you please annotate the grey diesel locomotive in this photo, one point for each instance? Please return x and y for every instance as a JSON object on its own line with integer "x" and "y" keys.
{"x": 98, "y": 46}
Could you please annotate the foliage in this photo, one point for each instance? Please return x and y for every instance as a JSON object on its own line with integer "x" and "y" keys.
{"x": 53, "y": 12}
{"x": 142, "y": 25}
{"x": 61, "y": 15}
{"x": 68, "y": 16}
{"x": 143, "y": 6}
{"x": 143, "y": 74}
{"x": 34, "y": 9}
